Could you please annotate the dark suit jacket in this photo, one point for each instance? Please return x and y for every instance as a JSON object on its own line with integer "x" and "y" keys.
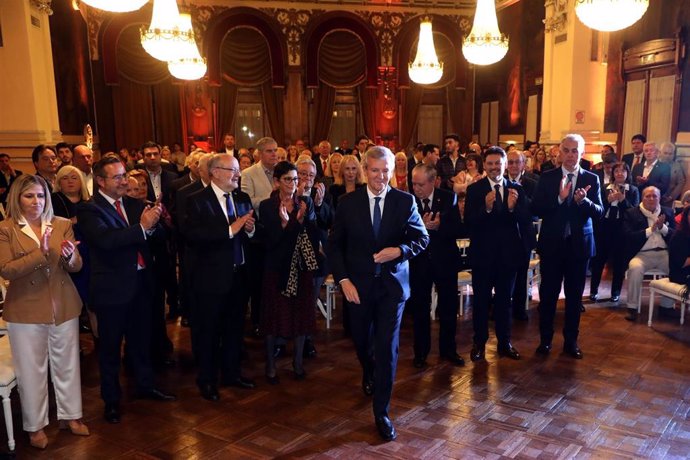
{"x": 443, "y": 250}
{"x": 503, "y": 238}
{"x": 678, "y": 252}
{"x": 176, "y": 185}
{"x": 528, "y": 182}
{"x": 113, "y": 246}
{"x": 554, "y": 215}
{"x": 4, "y": 184}
{"x": 352, "y": 243}
{"x": 659, "y": 176}
{"x": 634, "y": 229}
{"x": 446, "y": 171}
{"x": 628, "y": 158}
{"x": 319, "y": 167}
{"x": 212, "y": 249}
{"x": 181, "y": 200}
{"x": 585, "y": 164}
{"x": 324, "y": 221}
{"x": 167, "y": 177}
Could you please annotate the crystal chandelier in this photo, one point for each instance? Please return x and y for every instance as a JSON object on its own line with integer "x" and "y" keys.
{"x": 485, "y": 44}
{"x": 610, "y": 15}
{"x": 426, "y": 68}
{"x": 163, "y": 38}
{"x": 116, "y": 6}
{"x": 188, "y": 65}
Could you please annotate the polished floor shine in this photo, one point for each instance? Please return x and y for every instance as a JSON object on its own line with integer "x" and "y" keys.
{"x": 628, "y": 398}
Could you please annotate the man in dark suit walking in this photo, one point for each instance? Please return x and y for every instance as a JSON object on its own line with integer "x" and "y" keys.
{"x": 116, "y": 228}
{"x": 567, "y": 199}
{"x": 502, "y": 236}
{"x": 437, "y": 264}
{"x": 377, "y": 230}
{"x": 220, "y": 222}
{"x": 652, "y": 173}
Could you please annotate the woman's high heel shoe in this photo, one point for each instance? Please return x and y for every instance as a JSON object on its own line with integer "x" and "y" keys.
{"x": 38, "y": 439}
{"x": 77, "y": 427}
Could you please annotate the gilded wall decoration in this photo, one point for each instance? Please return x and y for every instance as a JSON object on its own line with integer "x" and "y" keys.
{"x": 293, "y": 24}
{"x": 94, "y": 18}
{"x": 386, "y": 27}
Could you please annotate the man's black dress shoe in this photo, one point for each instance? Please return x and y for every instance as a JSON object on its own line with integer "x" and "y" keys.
{"x": 240, "y": 382}
{"x": 209, "y": 392}
{"x": 279, "y": 351}
{"x": 111, "y": 414}
{"x": 309, "y": 349}
{"x": 508, "y": 352}
{"x": 543, "y": 349}
{"x": 273, "y": 380}
{"x": 385, "y": 428}
{"x": 615, "y": 298}
{"x": 154, "y": 394}
{"x": 520, "y": 315}
{"x": 368, "y": 385}
{"x": 477, "y": 353}
{"x": 573, "y": 351}
{"x": 419, "y": 362}
{"x": 582, "y": 308}
{"x": 594, "y": 297}
{"x": 454, "y": 359}
{"x": 632, "y": 315}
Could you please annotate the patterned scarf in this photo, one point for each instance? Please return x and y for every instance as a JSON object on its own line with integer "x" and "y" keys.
{"x": 303, "y": 253}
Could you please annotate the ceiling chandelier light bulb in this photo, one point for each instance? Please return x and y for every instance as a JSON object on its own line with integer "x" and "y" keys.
{"x": 116, "y": 6}
{"x": 163, "y": 37}
{"x": 426, "y": 68}
{"x": 610, "y": 15}
{"x": 485, "y": 44}
{"x": 188, "y": 65}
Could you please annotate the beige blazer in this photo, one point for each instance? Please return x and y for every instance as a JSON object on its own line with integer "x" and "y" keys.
{"x": 40, "y": 291}
{"x": 255, "y": 183}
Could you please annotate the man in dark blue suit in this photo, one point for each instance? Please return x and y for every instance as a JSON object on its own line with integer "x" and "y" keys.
{"x": 567, "y": 199}
{"x": 652, "y": 173}
{"x": 502, "y": 236}
{"x": 219, "y": 224}
{"x": 377, "y": 230}
{"x": 116, "y": 228}
{"x": 438, "y": 264}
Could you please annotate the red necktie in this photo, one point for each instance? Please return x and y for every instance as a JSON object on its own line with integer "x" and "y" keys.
{"x": 324, "y": 166}
{"x": 140, "y": 256}
{"x": 636, "y": 161}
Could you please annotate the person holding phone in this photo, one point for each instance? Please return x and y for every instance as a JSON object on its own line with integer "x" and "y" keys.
{"x": 220, "y": 222}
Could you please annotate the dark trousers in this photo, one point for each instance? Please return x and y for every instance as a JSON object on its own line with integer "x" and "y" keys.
{"x": 217, "y": 322}
{"x": 610, "y": 248}
{"x": 375, "y": 325}
{"x": 519, "y": 301}
{"x": 485, "y": 280}
{"x": 571, "y": 270}
{"x": 131, "y": 321}
{"x": 255, "y": 265}
{"x": 422, "y": 276}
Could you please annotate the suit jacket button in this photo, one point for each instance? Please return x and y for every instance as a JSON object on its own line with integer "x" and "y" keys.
{"x": 33, "y": 282}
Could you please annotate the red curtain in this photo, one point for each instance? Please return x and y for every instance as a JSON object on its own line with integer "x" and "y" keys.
{"x": 324, "y": 103}
{"x": 273, "y": 108}
{"x": 410, "y": 102}
{"x": 367, "y": 102}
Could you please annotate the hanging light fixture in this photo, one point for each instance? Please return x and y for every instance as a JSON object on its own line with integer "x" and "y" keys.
{"x": 610, "y": 15}
{"x": 426, "y": 68}
{"x": 189, "y": 65}
{"x": 485, "y": 44}
{"x": 116, "y": 6}
{"x": 163, "y": 38}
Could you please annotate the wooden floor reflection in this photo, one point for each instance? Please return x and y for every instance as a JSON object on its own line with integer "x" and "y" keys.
{"x": 628, "y": 398}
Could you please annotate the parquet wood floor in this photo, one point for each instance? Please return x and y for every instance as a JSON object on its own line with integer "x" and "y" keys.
{"x": 628, "y": 398}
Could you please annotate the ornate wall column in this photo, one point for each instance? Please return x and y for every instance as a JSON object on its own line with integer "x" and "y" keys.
{"x": 574, "y": 78}
{"x": 29, "y": 114}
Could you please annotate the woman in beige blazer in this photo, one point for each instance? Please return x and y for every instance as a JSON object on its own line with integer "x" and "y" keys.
{"x": 42, "y": 307}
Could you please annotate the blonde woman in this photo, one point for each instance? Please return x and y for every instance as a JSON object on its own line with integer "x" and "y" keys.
{"x": 399, "y": 179}
{"x": 332, "y": 169}
{"x": 349, "y": 178}
{"x": 37, "y": 253}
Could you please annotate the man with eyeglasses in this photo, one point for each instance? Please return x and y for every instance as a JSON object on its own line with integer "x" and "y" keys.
{"x": 323, "y": 207}
{"x": 116, "y": 228}
{"x": 46, "y": 163}
{"x": 257, "y": 182}
{"x": 83, "y": 160}
{"x": 220, "y": 224}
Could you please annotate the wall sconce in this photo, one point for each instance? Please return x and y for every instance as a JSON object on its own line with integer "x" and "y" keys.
{"x": 387, "y": 81}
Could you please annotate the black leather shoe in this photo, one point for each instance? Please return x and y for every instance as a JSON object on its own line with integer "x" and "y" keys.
{"x": 582, "y": 308}
{"x": 632, "y": 315}
{"x": 385, "y": 428}
{"x": 275, "y": 380}
{"x": 255, "y": 331}
{"x": 509, "y": 352}
{"x": 240, "y": 382}
{"x": 543, "y": 349}
{"x": 594, "y": 297}
{"x": 299, "y": 376}
{"x": 367, "y": 385}
{"x": 279, "y": 351}
{"x": 573, "y": 351}
{"x": 615, "y": 298}
{"x": 154, "y": 394}
{"x": 309, "y": 349}
{"x": 209, "y": 392}
{"x": 477, "y": 353}
{"x": 419, "y": 362}
{"x": 111, "y": 414}
{"x": 454, "y": 358}
{"x": 520, "y": 315}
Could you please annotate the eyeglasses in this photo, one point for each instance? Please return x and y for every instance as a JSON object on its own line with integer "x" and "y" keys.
{"x": 232, "y": 170}
{"x": 287, "y": 180}
{"x": 305, "y": 174}
{"x": 117, "y": 178}
{"x": 514, "y": 162}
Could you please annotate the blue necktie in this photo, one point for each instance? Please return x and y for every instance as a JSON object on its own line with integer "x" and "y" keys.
{"x": 498, "y": 203}
{"x": 567, "y": 231}
{"x": 377, "y": 226}
{"x": 237, "y": 243}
